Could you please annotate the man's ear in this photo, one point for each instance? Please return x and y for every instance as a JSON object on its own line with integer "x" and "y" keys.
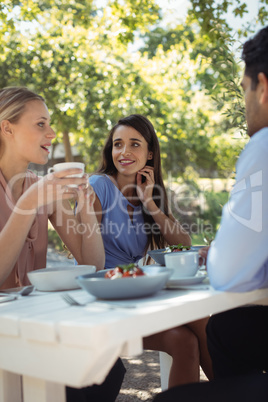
{"x": 150, "y": 155}
{"x": 263, "y": 88}
{"x": 6, "y": 128}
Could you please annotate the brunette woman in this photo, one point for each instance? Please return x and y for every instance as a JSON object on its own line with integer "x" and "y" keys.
{"x": 132, "y": 209}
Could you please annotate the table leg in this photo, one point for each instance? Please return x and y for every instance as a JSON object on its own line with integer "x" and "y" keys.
{"x": 10, "y": 387}
{"x": 35, "y": 389}
{"x": 165, "y": 364}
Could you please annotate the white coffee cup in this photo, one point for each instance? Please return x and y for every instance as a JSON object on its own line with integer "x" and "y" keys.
{"x": 184, "y": 263}
{"x": 58, "y": 167}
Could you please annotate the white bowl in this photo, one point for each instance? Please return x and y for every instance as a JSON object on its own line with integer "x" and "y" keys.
{"x": 126, "y": 288}
{"x": 58, "y": 278}
{"x": 184, "y": 265}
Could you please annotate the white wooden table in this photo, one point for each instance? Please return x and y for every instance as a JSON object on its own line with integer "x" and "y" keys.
{"x": 46, "y": 344}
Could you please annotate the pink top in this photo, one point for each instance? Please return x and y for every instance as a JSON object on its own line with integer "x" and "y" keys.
{"x": 33, "y": 253}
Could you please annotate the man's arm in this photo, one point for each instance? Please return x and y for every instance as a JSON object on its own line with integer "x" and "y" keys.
{"x": 238, "y": 257}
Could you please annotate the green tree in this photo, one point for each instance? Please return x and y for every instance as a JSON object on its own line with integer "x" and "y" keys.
{"x": 77, "y": 55}
{"x": 62, "y": 53}
{"x": 212, "y": 16}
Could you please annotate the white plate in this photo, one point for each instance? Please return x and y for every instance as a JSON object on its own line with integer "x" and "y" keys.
{"x": 58, "y": 278}
{"x": 126, "y": 288}
{"x": 191, "y": 280}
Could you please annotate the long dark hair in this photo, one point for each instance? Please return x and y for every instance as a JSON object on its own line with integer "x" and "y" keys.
{"x": 145, "y": 128}
{"x": 255, "y": 56}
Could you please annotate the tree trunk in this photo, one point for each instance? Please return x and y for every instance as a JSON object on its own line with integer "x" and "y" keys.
{"x": 67, "y": 147}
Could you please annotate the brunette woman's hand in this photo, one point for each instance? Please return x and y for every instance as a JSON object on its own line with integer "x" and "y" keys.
{"x": 145, "y": 189}
{"x": 85, "y": 197}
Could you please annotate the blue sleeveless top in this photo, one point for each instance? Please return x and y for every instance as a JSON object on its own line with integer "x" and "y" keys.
{"x": 124, "y": 239}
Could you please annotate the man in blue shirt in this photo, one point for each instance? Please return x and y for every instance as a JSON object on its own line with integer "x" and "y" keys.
{"x": 238, "y": 258}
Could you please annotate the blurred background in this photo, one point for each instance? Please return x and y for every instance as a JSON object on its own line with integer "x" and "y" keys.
{"x": 176, "y": 62}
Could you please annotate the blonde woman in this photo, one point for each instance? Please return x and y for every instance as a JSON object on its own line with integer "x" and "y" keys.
{"x": 27, "y": 202}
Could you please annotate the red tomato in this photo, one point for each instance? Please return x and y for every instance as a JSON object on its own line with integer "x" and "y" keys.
{"x": 109, "y": 274}
{"x": 127, "y": 273}
{"x": 138, "y": 272}
{"x": 131, "y": 271}
{"x": 118, "y": 270}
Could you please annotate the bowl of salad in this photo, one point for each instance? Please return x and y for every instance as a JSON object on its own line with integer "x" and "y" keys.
{"x": 159, "y": 255}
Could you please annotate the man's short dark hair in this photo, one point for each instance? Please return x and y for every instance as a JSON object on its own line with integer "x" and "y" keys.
{"x": 255, "y": 56}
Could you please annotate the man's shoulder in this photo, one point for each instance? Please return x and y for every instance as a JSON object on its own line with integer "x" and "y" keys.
{"x": 257, "y": 147}
{"x": 260, "y": 137}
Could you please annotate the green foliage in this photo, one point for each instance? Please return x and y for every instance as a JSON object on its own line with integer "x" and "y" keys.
{"x": 213, "y": 210}
{"x": 133, "y": 16}
{"x": 231, "y": 101}
{"x": 211, "y": 17}
{"x": 184, "y": 78}
{"x": 54, "y": 240}
{"x": 228, "y": 96}
{"x": 199, "y": 209}
{"x": 263, "y": 14}
{"x": 198, "y": 239}
{"x": 212, "y": 13}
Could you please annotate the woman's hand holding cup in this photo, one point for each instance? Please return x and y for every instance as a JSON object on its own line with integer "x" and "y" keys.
{"x": 68, "y": 173}
{"x": 65, "y": 181}
{"x": 75, "y": 170}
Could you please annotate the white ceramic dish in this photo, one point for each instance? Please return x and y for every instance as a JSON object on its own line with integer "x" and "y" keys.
{"x": 159, "y": 255}
{"x": 184, "y": 264}
{"x": 125, "y": 288}
{"x": 54, "y": 279}
{"x": 196, "y": 248}
{"x": 191, "y": 280}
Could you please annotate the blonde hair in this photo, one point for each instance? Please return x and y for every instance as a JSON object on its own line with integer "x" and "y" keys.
{"x": 13, "y": 101}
